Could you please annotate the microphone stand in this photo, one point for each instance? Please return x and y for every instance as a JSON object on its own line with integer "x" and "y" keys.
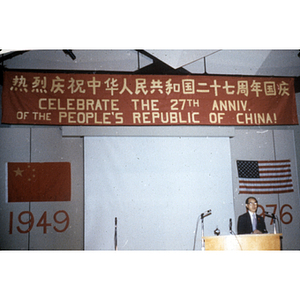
{"x": 274, "y": 219}
{"x": 274, "y": 224}
{"x": 202, "y": 216}
{"x": 202, "y": 233}
{"x": 230, "y": 226}
{"x": 116, "y": 236}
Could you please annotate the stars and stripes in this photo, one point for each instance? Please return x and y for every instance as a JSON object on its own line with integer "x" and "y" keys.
{"x": 264, "y": 177}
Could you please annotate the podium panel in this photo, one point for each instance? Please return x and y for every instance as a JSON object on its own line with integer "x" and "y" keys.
{"x": 243, "y": 242}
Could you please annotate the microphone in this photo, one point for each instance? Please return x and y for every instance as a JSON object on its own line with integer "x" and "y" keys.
{"x": 274, "y": 217}
{"x": 270, "y": 215}
{"x": 230, "y": 226}
{"x": 205, "y": 213}
{"x": 217, "y": 231}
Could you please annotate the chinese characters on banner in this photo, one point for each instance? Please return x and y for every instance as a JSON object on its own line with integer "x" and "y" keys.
{"x": 114, "y": 99}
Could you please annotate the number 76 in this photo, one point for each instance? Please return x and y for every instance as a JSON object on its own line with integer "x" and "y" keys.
{"x": 285, "y": 217}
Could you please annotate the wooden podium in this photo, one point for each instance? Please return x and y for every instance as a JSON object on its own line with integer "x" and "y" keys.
{"x": 243, "y": 242}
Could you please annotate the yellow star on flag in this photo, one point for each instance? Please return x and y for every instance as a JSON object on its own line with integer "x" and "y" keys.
{"x": 18, "y": 172}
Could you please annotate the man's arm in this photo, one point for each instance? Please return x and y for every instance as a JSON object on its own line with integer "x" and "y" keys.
{"x": 241, "y": 225}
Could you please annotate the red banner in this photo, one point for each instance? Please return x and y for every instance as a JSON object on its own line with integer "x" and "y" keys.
{"x": 38, "y": 182}
{"x": 114, "y": 99}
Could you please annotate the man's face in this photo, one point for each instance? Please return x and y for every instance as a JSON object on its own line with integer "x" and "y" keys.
{"x": 252, "y": 205}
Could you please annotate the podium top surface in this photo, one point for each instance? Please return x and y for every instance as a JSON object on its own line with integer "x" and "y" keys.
{"x": 267, "y": 241}
{"x": 245, "y": 235}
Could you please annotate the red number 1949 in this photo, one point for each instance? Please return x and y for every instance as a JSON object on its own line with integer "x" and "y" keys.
{"x": 27, "y": 218}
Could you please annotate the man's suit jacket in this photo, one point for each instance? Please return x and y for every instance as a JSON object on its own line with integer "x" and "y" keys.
{"x": 245, "y": 225}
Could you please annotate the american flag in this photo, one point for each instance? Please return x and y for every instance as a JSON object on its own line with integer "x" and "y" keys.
{"x": 264, "y": 177}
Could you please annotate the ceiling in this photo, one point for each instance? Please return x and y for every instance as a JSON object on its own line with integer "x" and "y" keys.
{"x": 234, "y": 62}
{"x": 207, "y": 61}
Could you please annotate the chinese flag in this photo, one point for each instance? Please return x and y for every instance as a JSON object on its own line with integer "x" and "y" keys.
{"x": 28, "y": 182}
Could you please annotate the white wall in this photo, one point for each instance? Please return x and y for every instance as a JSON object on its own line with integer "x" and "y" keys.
{"x": 157, "y": 188}
{"x": 14, "y": 147}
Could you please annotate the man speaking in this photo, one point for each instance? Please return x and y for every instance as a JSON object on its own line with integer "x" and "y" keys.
{"x": 250, "y": 222}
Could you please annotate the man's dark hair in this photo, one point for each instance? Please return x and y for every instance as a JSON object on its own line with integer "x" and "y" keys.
{"x": 247, "y": 200}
